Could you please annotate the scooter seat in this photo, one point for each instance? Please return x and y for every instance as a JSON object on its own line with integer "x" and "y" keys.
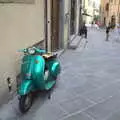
{"x": 49, "y": 56}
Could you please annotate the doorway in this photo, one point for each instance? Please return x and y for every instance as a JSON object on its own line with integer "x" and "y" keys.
{"x": 55, "y": 11}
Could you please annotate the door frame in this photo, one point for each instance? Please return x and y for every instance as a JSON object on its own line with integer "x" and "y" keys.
{"x": 55, "y": 16}
{"x": 46, "y": 23}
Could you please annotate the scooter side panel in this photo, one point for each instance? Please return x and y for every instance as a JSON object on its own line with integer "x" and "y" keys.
{"x": 54, "y": 67}
{"x": 38, "y": 72}
{"x": 26, "y": 67}
{"x": 26, "y": 87}
{"x": 33, "y": 69}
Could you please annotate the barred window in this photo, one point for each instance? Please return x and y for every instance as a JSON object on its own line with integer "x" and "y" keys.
{"x": 17, "y": 1}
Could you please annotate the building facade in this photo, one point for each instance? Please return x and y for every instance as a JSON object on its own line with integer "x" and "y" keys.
{"x": 42, "y": 23}
{"x": 110, "y": 12}
{"x": 88, "y": 11}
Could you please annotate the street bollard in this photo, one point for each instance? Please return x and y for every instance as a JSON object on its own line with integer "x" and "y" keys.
{"x": 9, "y": 84}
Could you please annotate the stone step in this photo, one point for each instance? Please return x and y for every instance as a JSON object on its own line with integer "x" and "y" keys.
{"x": 75, "y": 43}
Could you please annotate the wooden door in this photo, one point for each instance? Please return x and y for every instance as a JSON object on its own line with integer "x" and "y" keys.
{"x": 55, "y": 25}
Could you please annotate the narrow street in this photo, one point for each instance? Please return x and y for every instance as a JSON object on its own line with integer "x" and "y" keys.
{"x": 88, "y": 87}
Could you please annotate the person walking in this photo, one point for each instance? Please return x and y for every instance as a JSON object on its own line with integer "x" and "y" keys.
{"x": 84, "y": 30}
{"x": 107, "y": 32}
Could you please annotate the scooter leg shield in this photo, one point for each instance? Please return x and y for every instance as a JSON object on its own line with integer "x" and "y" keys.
{"x": 25, "y": 87}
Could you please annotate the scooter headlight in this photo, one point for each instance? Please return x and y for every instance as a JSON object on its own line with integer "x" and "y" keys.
{"x": 31, "y": 50}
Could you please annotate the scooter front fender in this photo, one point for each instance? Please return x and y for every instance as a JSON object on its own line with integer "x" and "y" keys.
{"x": 25, "y": 87}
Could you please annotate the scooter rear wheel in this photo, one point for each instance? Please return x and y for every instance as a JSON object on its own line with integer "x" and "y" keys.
{"x": 25, "y": 103}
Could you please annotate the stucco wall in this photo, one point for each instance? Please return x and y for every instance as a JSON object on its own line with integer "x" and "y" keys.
{"x": 66, "y": 21}
{"x": 21, "y": 25}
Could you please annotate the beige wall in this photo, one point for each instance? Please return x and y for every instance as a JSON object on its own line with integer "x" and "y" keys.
{"x": 66, "y": 25}
{"x": 21, "y": 25}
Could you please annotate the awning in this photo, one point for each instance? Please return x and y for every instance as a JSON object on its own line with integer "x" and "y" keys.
{"x": 86, "y": 14}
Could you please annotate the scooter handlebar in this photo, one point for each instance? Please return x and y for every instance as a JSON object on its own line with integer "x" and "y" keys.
{"x": 36, "y": 49}
{"x": 39, "y": 51}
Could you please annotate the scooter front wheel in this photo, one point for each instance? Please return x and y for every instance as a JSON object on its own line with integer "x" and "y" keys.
{"x": 25, "y": 102}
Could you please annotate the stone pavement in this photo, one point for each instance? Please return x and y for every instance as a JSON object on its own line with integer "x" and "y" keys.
{"x": 87, "y": 89}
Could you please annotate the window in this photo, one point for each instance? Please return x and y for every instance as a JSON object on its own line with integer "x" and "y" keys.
{"x": 17, "y": 1}
{"x": 107, "y": 7}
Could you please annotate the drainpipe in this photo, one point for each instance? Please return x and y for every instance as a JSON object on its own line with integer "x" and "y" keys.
{"x": 46, "y": 23}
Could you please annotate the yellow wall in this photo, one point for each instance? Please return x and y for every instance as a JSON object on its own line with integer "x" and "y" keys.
{"x": 113, "y": 10}
{"x": 21, "y": 25}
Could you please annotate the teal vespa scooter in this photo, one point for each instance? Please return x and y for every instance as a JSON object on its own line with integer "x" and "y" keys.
{"x": 39, "y": 71}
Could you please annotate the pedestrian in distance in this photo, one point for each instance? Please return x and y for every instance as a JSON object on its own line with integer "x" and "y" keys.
{"x": 107, "y": 32}
{"x": 84, "y": 29}
{"x": 117, "y": 33}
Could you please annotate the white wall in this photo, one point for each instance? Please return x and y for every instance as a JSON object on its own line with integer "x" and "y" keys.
{"x": 21, "y": 25}
{"x": 89, "y": 7}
